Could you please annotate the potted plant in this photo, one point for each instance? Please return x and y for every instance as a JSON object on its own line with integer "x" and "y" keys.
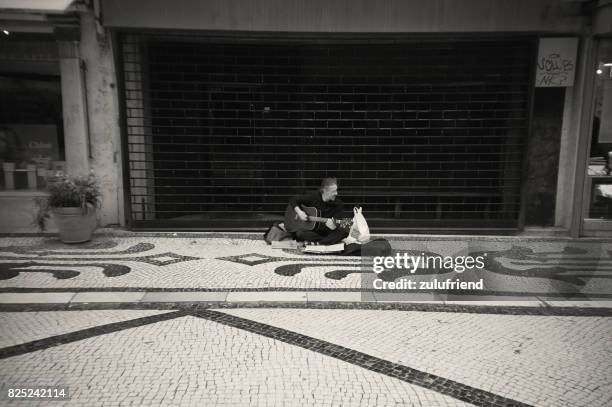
{"x": 72, "y": 201}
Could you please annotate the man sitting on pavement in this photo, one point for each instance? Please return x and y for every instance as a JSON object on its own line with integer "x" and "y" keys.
{"x": 329, "y": 206}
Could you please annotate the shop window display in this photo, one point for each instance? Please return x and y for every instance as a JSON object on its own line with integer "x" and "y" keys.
{"x": 31, "y": 137}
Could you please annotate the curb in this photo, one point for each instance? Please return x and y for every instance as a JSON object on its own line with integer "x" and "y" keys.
{"x": 278, "y": 297}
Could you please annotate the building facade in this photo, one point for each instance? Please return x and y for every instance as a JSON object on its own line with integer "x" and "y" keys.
{"x": 483, "y": 116}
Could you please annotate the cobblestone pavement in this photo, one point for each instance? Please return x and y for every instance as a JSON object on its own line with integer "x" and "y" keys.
{"x": 580, "y": 268}
{"x": 299, "y": 357}
{"x": 545, "y": 361}
{"x": 113, "y": 348}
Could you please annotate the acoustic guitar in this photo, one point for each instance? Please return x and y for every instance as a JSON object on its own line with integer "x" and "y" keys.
{"x": 294, "y": 224}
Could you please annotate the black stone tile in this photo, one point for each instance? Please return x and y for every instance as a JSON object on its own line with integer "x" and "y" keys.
{"x": 58, "y": 340}
{"x": 429, "y": 381}
{"x": 424, "y": 307}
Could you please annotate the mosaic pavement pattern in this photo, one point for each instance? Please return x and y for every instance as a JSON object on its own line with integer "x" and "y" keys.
{"x": 414, "y": 355}
{"x": 223, "y": 262}
{"x": 544, "y": 361}
{"x": 298, "y": 357}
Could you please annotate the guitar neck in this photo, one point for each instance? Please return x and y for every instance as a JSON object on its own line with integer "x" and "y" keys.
{"x": 318, "y": 219}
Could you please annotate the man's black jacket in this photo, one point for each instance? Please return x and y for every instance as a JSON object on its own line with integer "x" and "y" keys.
{"x": 329, "y": 209}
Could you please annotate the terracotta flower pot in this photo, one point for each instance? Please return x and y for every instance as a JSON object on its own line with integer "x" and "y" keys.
{"x": 73, "y": 225}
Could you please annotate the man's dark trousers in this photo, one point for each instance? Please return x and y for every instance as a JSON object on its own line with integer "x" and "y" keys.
{"x": 324, "y": 237}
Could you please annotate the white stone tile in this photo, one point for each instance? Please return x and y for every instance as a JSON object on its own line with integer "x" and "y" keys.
{"x": 265, "y": 296}
{"x": 580, "y": 304}
{"x": 36, "y": 298}
{"x": 489, "y": 303}
{"x": 185, "y": 296}
{"x": 408, "y": 297}
{"x": 339, "y": 296}
{"x": 105, "y": 296}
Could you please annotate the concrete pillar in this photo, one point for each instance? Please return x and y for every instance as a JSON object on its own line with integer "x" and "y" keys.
{"x": 76, "y": 133}
{"x": 567, "y": 162}
{"x": 103, "y": 109}
{"x": 575, "y": 138}
{"x": 581, "y": 141}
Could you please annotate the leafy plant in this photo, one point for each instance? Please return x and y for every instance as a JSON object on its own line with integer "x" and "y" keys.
{"x": 67, "y": 192}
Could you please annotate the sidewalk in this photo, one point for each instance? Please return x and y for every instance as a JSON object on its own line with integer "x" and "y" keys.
{"x": 193, "y": 319}
{"x": 235, "y": 268}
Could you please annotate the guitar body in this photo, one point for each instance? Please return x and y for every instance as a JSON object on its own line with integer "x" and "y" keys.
{"x": 294, "y": 224}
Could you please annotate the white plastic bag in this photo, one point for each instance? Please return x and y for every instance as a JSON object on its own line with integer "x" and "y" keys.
{"x": 360, "y": 232}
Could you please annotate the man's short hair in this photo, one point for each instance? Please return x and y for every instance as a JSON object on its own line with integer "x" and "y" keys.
{"x": 328, "y": 182}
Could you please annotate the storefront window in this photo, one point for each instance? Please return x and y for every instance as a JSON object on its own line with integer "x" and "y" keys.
{"x": 31, "y": 136}
{"x": 600, "y": 164}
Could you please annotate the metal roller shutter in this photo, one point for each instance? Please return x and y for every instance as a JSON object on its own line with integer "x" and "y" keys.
{"x": 421, "y": 134}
